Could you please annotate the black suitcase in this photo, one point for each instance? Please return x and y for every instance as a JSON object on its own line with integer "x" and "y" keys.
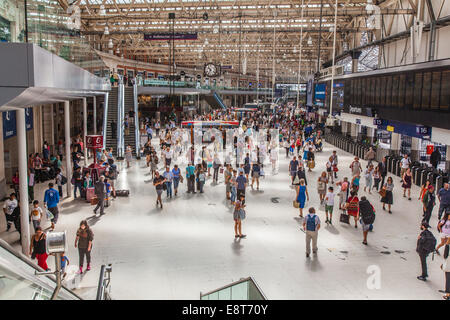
{"x": 122, "y": 193}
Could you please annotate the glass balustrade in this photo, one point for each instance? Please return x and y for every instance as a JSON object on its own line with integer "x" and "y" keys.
{"x": 244, "y": 289}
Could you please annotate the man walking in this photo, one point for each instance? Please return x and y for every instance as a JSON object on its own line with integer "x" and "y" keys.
{"x": 429, "y": 200}
{"x": 382, "y": 168}
{"x": 8, "y": 209}
{"x": 311, "y": 225}
{"x": 51, "y": 200}
{"x": 241, "y": 184}
{"x": 426, "y": 244}
{"x": 190, "y": 176}
{"x": 100, "y": 191}
{"x": 444, "y": 199}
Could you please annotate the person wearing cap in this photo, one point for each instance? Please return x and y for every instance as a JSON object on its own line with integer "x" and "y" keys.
{"x": 421, "y": 251}
{"x": 429, "y": 200}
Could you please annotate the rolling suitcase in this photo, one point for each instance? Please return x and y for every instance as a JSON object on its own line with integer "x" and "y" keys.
{"x": 122, "y": 193}
{"x": 90, "y": 193}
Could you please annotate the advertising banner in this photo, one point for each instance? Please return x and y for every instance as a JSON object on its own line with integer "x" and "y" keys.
{"x": 9, "y": 122}
{"x": 168, "y": 36}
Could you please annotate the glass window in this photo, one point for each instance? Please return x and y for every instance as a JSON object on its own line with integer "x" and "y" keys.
{"x": 409, "y": 90}
{"x": 383, "y": 91}
{"x": 426, "y": 90}
{"x": 417, "y": 90}
{"x": 444, "y": 100}
{"x": 401, "y": 91}
{"x": 435, "y": 90}
{"x": 388, "y": 91}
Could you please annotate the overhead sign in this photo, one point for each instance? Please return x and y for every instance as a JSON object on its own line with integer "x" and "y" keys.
{"x": 227, "y": 67}
{"x": 169, "y": 36}
{"x": 10, "y": 125}
{"x": 154, "y": 82}
{"x": 407, "y": 129}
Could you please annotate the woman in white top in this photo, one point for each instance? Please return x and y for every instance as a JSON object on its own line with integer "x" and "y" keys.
{"x": 444, "y": 229}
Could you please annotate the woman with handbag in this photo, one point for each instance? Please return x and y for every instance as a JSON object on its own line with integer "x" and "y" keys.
{"x": 388, "y": 197}
{"x": 407, "y": 182}
{"x": 302, "y": 196}
{"x": 38, "y": 250}
{"x": 352, "y": 207}
{"x": 310, "y": 158}
{"x": 238, "y": 216}
{"x": 322, "y": 186}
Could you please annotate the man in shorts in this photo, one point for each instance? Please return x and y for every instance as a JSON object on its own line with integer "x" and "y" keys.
{"x": 51, "y": 200}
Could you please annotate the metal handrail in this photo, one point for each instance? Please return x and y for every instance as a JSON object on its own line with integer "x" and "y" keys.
{"x": 136, "y": 120}
{"x": 5, "y": 246}
{"x": 105, "y": 118}
{"x": 120, "y": 120}
{"x": 103, "y": 282}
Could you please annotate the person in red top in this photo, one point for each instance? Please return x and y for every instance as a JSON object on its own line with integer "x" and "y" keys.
{"x": 352, "y": 207}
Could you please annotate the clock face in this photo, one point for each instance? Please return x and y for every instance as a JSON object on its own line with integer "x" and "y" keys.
{"x": 210, "y": 70}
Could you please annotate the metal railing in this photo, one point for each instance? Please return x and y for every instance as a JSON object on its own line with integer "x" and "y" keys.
{"x": 253, "y": 291}
{"x": 120, "y": 119}
{"x": 103, "y": 290}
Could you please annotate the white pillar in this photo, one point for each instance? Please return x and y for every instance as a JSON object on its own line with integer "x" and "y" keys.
{"x": 415, "y": 149}
{"x": 23, "y": 180}
{"x": 396, "y": 142}
{"x": 85, "y": 131}
{"x": 68, "y": 155}
{"x": 94, "y": 112}
{"x": 447, "y": 158}
{"x": 354, "y": 130}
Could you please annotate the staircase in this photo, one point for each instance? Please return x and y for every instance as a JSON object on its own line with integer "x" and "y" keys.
{"x": 215, "y": 101}
{"x": 112, "y": 115}
{"x": 129, "y": 105}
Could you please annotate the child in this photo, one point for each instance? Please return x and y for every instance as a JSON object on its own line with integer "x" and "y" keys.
{"x": 64, "y": 260}
{"x": 36, "y": 214}
{"x": 329, "y": 198}
{"x": 201, "y": 179}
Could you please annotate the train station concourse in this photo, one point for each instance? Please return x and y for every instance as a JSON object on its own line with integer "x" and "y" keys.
{"x": 224, "y": 150}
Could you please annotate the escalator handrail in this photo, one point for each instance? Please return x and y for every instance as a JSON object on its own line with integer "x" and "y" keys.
{"x": 101, "y": 290}
{"x": 136, "y": 120}
{"x": 5, "y": 246}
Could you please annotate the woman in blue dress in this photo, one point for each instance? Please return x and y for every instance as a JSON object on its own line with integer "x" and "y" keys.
{"x": 302, "y": 196}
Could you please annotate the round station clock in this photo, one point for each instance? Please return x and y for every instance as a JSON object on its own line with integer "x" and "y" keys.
{"x": 211, "y": 70}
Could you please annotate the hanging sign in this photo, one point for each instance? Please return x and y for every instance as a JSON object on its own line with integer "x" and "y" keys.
{"x": 94, "y": 142}
{"x": 169, "y": 36}
{"x": 430, "y": 149}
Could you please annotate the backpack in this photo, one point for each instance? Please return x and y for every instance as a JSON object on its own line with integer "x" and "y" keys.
{"x": 366, "y": 212}
{"x": 426, "y": 243}
{"x": 311, "y": 223}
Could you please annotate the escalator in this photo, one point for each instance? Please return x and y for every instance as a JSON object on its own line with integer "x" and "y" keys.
{"x": 112, "y": 114}
{"x": 19, "y": 282}
{"x": 215, "y": 101}
{"x": 244, "y": 289}
{"x": 130, "y": 139}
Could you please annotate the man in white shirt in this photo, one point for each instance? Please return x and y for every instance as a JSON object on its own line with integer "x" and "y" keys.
{"x": 405, "y": 162}
{"x": 8, "y": 209}
{"x": 168, "y": 154}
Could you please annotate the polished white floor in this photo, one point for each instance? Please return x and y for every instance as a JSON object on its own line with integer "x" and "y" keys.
{"x": 189, "y": 246}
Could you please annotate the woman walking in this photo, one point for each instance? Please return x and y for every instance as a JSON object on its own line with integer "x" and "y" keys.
{"x": 255, "y": 174}
{"x": 302, "y": 196}
{"x": 444, "y": 229}
{"x": 322, "y": 186}
{"x": 388, "y": 197}
{"x": 159, "y": 183}
{"x": 368, "y": 174}
{"x": 352, "y": 207}
{"x": 38, "y": 249}
{"x": 238, "y": 216}
{"x": 407, "y": 182}
{"x": 176, "y": 178}
{"x": 376, "y": 178}
{"x": 83, "y": 241}
{"x": 329, "y": 166}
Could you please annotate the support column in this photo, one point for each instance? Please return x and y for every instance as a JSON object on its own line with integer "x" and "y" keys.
{"x": 85, "y": 131}
{"x": 415, "y": 149}
{"x": 23, "y": 180}
{"x": 370, "y": 134}
{"x": 68, "y": 155}
{"x": 344, "y": 129}
{"x": 94, "y": 113}
{"x": 355, "y": 56}
{"x": 354, "y": 131}
{"x": 396, "y": 142}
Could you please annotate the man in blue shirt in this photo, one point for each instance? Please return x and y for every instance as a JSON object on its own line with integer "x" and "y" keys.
{"x": 444, "y": 199}
{"x": 51, "y": 200}
{"x": 241, "y": 184}
{"x": 190, "y": 176}
{"x": 169, "y": 177}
